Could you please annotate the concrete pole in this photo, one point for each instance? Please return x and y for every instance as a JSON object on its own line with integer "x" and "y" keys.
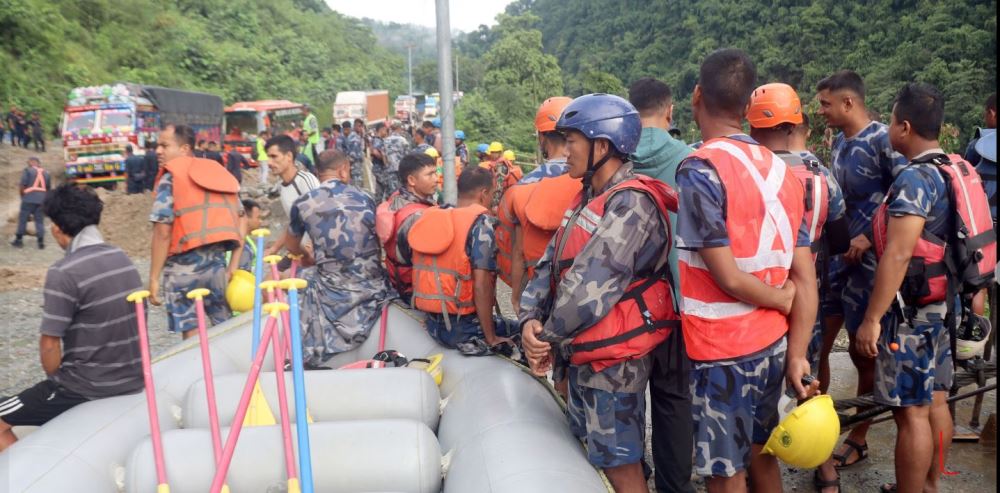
{"x": 447, "y": 113}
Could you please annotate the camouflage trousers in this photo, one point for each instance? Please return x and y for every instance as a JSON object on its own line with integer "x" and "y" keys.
{"x": 386, "y": 182}
{"x": 201, "y": 268}
{"x": 922, "y": 365}
{"x": 467, "y": 336}
{"x": 850, "y": 286}
{"x": 611, "y": 424}
{"x": 734, "y": 406}
{"x": 357, "y": 174}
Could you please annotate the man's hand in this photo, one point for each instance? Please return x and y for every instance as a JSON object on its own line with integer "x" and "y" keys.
{"x": 866, "y": 339}
{"x": 534, "y": 347}
{"x": 859, "y": 245}
{"x": 795, "y": 369}
{"x": 788, "y": 296}
{"x": 154, "y": 292}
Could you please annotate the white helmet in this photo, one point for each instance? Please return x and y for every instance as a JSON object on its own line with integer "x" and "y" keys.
{"x": 973, "y": 337}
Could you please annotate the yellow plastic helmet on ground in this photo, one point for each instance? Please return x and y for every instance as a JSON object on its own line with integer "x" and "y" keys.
{"x": 239, "y": 292}
{"x": 806, "y": 437}
{"x": 432, "y": 152}
{"x": 508, "y": 155}
{"x": 495, "y": 147}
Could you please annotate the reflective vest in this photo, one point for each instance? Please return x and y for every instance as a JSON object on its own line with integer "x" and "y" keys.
{"x": 764, "y": 208}
{"x": 311, "y": 128}
{"x": 387, "y": 224}
{"x": 261, "y": 151}
{"x": 39, "y": 184}
{"x": 206, "y": 204}
{"x": 816, "y": 195}
{"x": 971, "y": 257}
{"x": 645, "y": 314}
{"x": 442, "y": 271}
{"x": 249, "y": 241}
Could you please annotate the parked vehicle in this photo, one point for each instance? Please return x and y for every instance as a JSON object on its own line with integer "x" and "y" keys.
{"x": 370, "y": 106}
{"x": 247, "y": 119}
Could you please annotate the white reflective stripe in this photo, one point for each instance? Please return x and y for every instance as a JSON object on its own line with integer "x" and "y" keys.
{"x": 817, "y": 196}
{"x": 715, "y": 310}
{"x": 749, "y": 265}
{"x": 588, "y": 220}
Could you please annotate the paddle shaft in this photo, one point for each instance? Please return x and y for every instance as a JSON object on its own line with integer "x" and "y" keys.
{"x": 299, "y": 385}
{"x": 206, "y": 365}
{"x": 258, "y": 273}
{"x": 276, "y": 276}
{"x": 154, "y": 417}
{"x": 278, "y": 348}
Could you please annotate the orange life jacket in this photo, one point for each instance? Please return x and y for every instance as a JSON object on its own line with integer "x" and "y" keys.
{"x": 206, "y": 204}
{"x": 764, "y": 208}
{"x": 440, "y": 171}
{"x": 972, "y": 255}
{"x": 645, "y": 314}
{"x": 39, "y": 184}
{"x": 816, "y": 195}
{"x": 442, "y": 271}
{"x": 542, "y": 215}
{"x": 514, "y": 199}
{"x": 387, "y": 224}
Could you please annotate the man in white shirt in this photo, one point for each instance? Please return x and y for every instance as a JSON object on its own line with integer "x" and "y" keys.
{"x": 295, "y": 182}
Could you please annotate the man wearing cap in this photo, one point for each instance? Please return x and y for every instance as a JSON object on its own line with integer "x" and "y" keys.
{"x": 35, "y": 181}
{"x": 396, "y": 146}
{"x": 461, "y": 151}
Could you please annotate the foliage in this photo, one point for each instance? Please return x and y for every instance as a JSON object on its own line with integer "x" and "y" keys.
{"x": 238, "y": 49}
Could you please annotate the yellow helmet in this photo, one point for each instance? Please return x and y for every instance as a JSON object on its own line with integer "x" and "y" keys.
{"x": 432, "y": 152}
{"x": 496, "y": 147}
{"x": 806, "y": 437}
{"x": 239, "y": 292}
{"x": 508, "y": 155}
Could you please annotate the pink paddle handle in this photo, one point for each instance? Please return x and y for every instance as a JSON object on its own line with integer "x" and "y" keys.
{"x": 276, "y": 276}
{"x": 286, "y": 429}
{"x": 147, "y": 376}
{"x": 382, "y": 327}
{"x": 206, "y": 365}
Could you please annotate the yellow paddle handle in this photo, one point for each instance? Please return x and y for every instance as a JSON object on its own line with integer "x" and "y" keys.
{"x": 260, "y": 232}
{"x": 272, "y": 259}
{"x": 274, "y": 309}
{"x": 295, "y": 256}
{"x": 138, "y": 296}
{"x": 269, "y": 285}
{"x": 198, "y": 293}
{"x": 293, "y": 283}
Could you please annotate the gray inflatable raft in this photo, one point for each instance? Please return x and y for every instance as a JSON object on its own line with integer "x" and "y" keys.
{"x": 490, "y": 427}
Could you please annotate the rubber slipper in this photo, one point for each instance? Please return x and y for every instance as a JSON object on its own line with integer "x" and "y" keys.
{"x": 860, "y": 449}
{"x": 821, "y": 483}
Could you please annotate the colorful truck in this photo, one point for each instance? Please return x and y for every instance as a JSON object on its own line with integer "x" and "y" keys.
{"x": 247, "y": 119}
{"x": 406, "y": 108}
{"x": 370, "y": 106}
{"x": 99, "y": 121}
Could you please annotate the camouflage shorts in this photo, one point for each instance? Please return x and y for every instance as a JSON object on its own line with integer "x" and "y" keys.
{"x": 850, "y": 286}
{"x": 921, "y": 365}
{"x": 734, "y": 406}
{"x": 611, "y": 424}
{"x": 181, "y": 275}
{"x": 467, "y": 336}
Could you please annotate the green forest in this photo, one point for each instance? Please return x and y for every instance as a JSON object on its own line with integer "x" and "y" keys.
{"x": 301, "y": 50}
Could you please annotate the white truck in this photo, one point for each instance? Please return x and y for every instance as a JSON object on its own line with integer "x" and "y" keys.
{"x": 370, "y": 106}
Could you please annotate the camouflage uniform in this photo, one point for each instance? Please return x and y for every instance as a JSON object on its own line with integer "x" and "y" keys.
{"x": 356, "y": 152}
{"x": 396, "y": 146}
{"x": 549, "y": 169}
{"x": 380, "y": 171}
{"x": 349, "y": 284}
{"x": 922, "y": 365}
{"x": 610, "y": 402}
{"x": 734, "y": 402}
{"x": 864, "y": 166}
{"x": 463, "y": 154}
{"x": 202, "y": 267}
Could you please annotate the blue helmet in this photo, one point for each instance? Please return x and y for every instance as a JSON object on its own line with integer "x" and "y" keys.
{"x": 603, "y": 116}
{"x": 986, "y": 146}
{"x": 436, "y": 122}
{"x": 460, "y": 135}
{"x": 482, "y": 148}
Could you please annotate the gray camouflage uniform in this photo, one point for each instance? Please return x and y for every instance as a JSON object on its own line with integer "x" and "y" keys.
{"x": 356, "y": 153}
{"x": 349, "y": 285}
{"x": 396, "y": 146}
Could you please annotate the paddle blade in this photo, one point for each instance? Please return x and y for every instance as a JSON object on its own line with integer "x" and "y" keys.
{"x": 259, "y": 413}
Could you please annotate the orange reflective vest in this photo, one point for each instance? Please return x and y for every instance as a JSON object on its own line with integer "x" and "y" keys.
{"x": 645, "y": 314}
{"x": 442, "y": 271}
{"x": 206, "y": 204}
{"x": 764, "y": 208}
{"x": 39, "y": 184}
{"x": 816, "y": 197}
{"x": 387, "y": 224}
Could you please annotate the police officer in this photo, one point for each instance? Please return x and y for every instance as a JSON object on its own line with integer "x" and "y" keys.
{"x": 135, "y": 169}
{"x": 35, "y": 182}
{"x": 461, "y": 151}
{"x": 379, "y": 167}
{"x": 356, "y": 153}
{"x": 348, "y": 286}
{"x": 454, "y": 274}
{"x": 604, "y": 263}
{"x": 396, "y": 146}
{"x": 195, "y": 220}
{"x": 310, "y": 131}
{"x": 396, "y": 216}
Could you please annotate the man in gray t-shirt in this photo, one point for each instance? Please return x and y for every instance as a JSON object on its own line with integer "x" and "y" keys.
{"x": 35, "y": 181}
{"x": 89, "y": 345}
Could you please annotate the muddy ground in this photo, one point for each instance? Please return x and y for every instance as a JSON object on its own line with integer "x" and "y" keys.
{"x": 22, "y": 274}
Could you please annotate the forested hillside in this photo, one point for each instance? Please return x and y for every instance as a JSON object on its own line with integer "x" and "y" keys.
{"x": 238, "y": 49}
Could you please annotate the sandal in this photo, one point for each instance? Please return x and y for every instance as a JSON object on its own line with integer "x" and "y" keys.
{"x": 860, "y": 449}
{"x": 821, "y": 483}
{"x": 888, "y": 488}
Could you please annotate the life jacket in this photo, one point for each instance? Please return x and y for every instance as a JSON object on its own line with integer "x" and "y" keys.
{"x": 440, "y": 171}
{"x": 645, "y": 314}
{"x": 206, "y": 204}
{"x": 249, "y": 241}
{"x": 39, "y": 184}
{"x": 541, "y": 216}
{"x": 514, "y": 199}
{"x": 442, "y": 271}
{"x": 387, "y": 224}
{"x": 764, "y": 208}
{"x": 817, "y": 195}
{"x": 969, "y": 256}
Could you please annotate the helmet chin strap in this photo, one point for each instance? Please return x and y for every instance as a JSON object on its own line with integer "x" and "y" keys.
{"x": 592, "y": 167}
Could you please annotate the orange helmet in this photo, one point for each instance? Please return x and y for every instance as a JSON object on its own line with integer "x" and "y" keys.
{"x": 774, "y": 104}
{"x": 549, "y": 113}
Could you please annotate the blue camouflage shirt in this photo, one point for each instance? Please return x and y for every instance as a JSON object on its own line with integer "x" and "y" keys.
{"x": 355, "y": 148}
{"x": 920, "y": 190}
{"x": 864, "y": 166}
{"x": 549, "y": 169}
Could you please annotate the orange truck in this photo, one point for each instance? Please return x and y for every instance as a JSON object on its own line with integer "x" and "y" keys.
{"x": 244, "y": 121}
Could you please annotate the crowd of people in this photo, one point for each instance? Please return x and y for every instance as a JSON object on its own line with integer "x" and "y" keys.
{"x": 23, "y": 129}
{"x": 716, "y": 275}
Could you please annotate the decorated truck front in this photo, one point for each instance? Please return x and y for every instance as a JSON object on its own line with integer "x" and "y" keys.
{"x": 99, "y": 121}
{"x": 245, "y": 121}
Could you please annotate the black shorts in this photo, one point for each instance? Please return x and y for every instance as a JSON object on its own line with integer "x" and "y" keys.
{"x": 38, "y": 405}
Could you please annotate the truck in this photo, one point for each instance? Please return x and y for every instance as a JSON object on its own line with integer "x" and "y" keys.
{"x": 245, "y": 120}
{"x": 99, "y": 121}
{"x": 406, "y": 108}
{"x": 370, "y": 106}
{"x": 430, "y": 107}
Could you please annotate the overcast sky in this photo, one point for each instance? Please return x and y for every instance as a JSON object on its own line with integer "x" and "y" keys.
{"x": 466, "y": 15}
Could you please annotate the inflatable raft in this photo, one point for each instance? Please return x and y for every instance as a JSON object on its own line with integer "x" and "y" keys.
{"x": 489, "y": 427}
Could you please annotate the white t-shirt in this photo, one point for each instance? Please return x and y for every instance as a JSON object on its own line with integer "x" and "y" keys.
{"x": 303, "y": 183}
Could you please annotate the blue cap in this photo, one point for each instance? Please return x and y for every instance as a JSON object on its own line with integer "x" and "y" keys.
{"x": 603, "y": 116}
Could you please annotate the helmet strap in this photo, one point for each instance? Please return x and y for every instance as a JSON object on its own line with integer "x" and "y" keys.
{"x": 592, "y": 167}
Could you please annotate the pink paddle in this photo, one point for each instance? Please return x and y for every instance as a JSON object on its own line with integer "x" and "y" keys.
{"x": 138, "y": 297}
{"x": 206, "y": 364}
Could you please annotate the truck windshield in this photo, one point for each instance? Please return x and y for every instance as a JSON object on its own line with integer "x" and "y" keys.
{"x": 241, "y": 122}
{"x": 116, "y": 118}
{"x": 81, "y": 120}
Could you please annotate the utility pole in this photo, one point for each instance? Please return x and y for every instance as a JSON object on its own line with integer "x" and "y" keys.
{"x": 447, "y": 103}
{"x": 457, "y": 89}
{"x": 409, "y": 66}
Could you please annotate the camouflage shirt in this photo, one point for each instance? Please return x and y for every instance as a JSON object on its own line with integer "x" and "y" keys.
{"x": 396, "y": 146}
{"x": 378, "y": 143}
{"x": 549, "y": 169}
{"x": 864, "y": 166}
{"x": 629, "y": 243}
{"x": 920, "y": 190}
{"x": 349, "y": 285}
{"x": 462, "y": 152}
{"x": 355, "y": 148}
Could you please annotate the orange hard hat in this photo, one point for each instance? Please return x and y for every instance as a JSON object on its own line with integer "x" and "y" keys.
{"x": 549, "y": 113}
{"x": 774, "y": 104}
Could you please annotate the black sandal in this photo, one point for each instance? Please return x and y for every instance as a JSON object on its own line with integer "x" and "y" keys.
{"x": 821, "y": 483}
{"x": 860, "y": 449}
